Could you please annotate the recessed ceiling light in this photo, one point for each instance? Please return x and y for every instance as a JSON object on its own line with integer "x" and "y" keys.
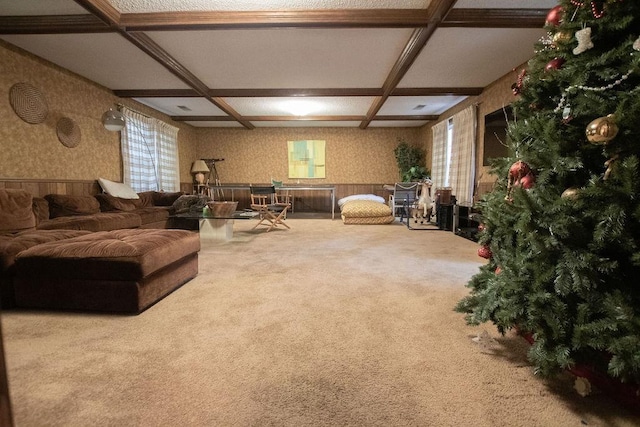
{"x": 300, "y": 107}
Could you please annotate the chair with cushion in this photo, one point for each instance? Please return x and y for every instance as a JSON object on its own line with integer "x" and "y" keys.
{"x": 403, "y": 197}
{"x": 272, "y": 212}
{"x": 283, "y": 196}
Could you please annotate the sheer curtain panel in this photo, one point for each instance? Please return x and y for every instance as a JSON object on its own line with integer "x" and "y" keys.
{"x": 149, "y": 153}
{"x": 463, "y": 152}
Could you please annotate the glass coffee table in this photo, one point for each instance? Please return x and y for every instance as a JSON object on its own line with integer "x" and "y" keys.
{"x": 210, "y": 228}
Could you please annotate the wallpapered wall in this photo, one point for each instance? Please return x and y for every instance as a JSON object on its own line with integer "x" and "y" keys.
{"x": 353, "y": 156}
{"x": 33, "y": 151}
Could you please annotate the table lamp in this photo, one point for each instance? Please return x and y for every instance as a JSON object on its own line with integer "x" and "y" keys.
{"x": 199, "y": 168}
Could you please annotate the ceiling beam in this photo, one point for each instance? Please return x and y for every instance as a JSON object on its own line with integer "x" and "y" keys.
{"x": 105, "y": 17}
{"x": 436, "y": 91}
{"x": 495, "y": 18}
{"x": 278, "y": 93}
{"x": 350, "y": 18}
{"x": 53, "y": 24}
{"x": 348, "y": 118}
{"x": 436, "y": 12}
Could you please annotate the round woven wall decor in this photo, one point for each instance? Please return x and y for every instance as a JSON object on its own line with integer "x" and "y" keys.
{"x": 28, "y": 103}
{"x": 68, "y": 132}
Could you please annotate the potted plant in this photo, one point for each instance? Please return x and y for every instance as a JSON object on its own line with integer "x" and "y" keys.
{"x": 411, "y": 162}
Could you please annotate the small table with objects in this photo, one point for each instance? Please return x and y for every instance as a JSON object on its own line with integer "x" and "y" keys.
{"x": 210, "y": 228}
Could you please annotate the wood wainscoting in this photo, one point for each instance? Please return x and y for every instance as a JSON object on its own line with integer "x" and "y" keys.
{"x": 305, "y": 201}
{"x": 42, "y": 187}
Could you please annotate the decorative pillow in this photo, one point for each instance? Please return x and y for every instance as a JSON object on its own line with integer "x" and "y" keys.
{"x": 65, "y": 205}
{"x": 16, "y": 212}
{"x": 190, "y": 203}
{"x": 146, "y": 198}
{"x": 117, "y": 189}
{"x": 110, "y": 203}
{"x": 372, "y": 197}
{"x": 365, "y": 209}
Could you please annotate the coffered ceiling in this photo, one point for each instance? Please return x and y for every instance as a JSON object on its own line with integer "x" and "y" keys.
{"x": 262, "y": 63}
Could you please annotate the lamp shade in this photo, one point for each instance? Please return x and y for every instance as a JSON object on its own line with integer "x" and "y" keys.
{"x": 199, "y": 166}
{"x": 113, "y": 120}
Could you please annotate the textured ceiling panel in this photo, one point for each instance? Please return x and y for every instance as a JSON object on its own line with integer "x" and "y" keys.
{"x": 324, "y": 106}
{"x": 35, "y": 7}
{"x": 470, "y": 57}
{"x": 107, "y": 59}
{"x": 287, "y": 58}
{"x": 403, "y": 105}
{"x": 191, "y": 106}
{"x": 131, "y": 6}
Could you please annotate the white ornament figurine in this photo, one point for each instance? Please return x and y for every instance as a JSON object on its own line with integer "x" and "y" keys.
{"x": 636, "y": 44}
{"x": 584, "y": 41}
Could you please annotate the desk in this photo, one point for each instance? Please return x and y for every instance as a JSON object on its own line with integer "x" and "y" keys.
{"x": 330, "y": 188}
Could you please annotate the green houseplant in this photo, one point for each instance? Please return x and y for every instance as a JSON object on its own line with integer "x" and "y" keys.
{"x": 411, "y": 162}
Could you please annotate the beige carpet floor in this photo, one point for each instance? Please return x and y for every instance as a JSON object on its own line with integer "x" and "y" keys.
{"x": 321, "y": 325}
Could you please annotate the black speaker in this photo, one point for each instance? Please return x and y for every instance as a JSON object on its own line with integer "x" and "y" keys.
{"x": 444, "y": 217}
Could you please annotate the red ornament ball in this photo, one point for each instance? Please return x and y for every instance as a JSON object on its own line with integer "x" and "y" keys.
{"x": 527, "y": 181}
{"x": 555, "y": 15}
{"x": 498, "y": 270}
{"x": 554, "y": 64}
{"x": 518, "y": 170}
{"x": 484, "y": 252}
{"x": 481, "y": 227}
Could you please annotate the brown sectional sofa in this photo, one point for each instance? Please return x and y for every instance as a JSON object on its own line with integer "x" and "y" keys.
{"x": 49, "y": 246}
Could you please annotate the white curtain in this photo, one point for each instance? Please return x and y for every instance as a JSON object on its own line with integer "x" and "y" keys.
{"x": 439, "y": 155}
{"x": 149, "y": 153}
{"x": 463, "y": 152}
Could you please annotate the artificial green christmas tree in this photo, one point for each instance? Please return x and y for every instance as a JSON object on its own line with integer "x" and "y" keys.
{"x": 562, "y": 228}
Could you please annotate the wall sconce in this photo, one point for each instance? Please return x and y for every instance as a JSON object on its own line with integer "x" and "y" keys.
{"x": 199, "y": 168}
{"x": 113, "y": 120}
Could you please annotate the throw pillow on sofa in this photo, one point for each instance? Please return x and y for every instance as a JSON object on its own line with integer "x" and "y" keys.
{"x": 16, "y": 212}
{"x": 117, "y": 189}
{"x": 66, "y": 205}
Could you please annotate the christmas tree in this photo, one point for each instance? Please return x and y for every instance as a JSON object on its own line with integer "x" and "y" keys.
{"x": 561, "y": 231}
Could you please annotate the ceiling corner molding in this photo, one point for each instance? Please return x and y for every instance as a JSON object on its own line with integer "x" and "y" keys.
{"x": 103, "y": 10}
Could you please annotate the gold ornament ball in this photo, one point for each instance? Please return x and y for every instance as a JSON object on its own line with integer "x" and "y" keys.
{"x": 561, "y": 37}
{"x": 570, "y": 193}
{"x": 602, "y": 130}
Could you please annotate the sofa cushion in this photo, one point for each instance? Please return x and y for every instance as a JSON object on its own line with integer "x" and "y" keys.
{"x": 111, "y": 203}
{"x": 109, "y": 255}
{"x": 40, "y": 209}
{"x": 16, "y": 212}
{"x": 153, "y": 214}
{"x": 12, "y": 245}
{"x": 146, "y": 198}
{"x": 160, "y": 198}
{"x": 67, "y": 205}
{"x": 103, "y": 221}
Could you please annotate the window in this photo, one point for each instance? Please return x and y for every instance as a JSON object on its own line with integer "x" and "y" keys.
{"x": 149, "y": 153}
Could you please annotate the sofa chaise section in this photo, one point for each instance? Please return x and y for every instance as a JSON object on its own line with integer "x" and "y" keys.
{"x": 123, "y": 271}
